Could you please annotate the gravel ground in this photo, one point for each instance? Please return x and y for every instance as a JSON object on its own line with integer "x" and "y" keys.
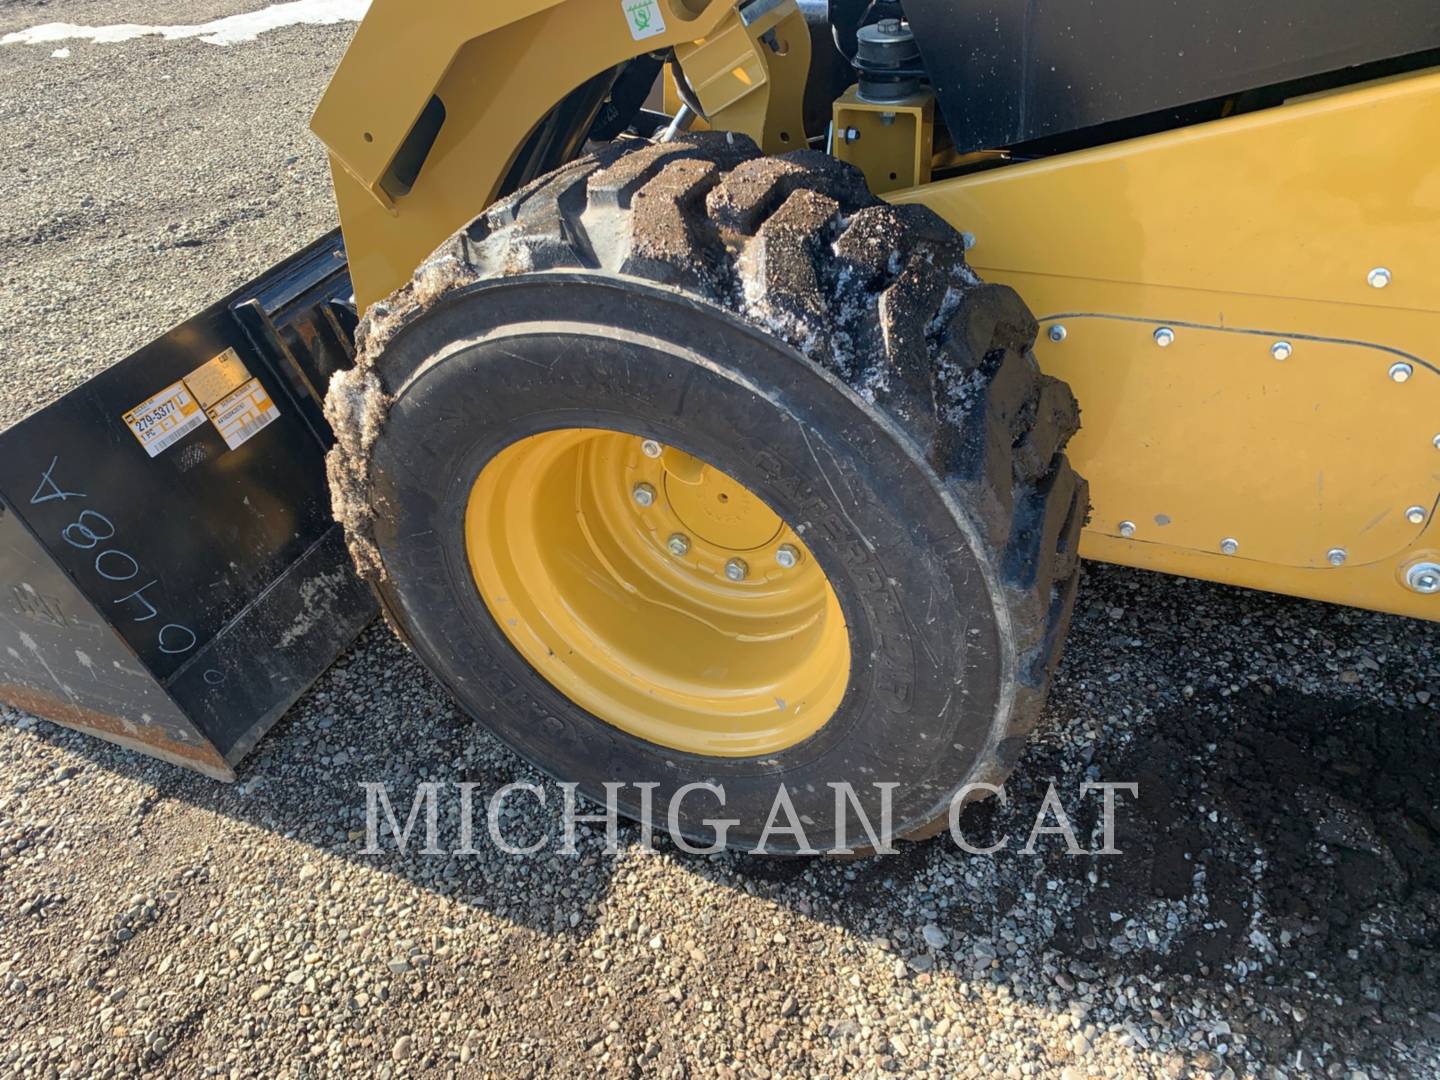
{"x": 1276, "y": 911}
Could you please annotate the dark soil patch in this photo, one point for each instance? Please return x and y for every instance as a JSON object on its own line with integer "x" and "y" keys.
{"x": 1308, "y": 832}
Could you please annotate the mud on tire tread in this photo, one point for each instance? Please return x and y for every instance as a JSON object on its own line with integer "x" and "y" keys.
{"x": 878, "y": 295}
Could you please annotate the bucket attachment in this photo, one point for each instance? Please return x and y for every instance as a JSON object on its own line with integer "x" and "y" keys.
{"x": 171, "y": 577}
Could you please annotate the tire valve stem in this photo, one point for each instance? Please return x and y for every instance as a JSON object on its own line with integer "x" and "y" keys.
{"x": 643, "y": 494}
{"x": 787, "y": 556}
{"x": 737, "y": 570}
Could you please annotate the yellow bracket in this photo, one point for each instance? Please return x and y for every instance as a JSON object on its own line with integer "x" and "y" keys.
{"x": 749, "y": 75}
{"x": 892, "y": 143}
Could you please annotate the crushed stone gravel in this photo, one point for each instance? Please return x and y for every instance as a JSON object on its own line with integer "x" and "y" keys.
{"x": 1275, "y": 911}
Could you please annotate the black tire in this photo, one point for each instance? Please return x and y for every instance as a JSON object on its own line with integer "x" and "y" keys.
{"x": 852, "y": 371}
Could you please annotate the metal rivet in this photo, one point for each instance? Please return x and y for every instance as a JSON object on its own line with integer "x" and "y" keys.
{"x": 1229, "y": 546}
{"x": 737, "y": 570}
{"x": 1336, "y": 556}
{"x": 1281, "y": 350}
{"x": 1424, "y": 578}
{"x": 1378, "y": 278}
{"x": 1058, "y": 332}
{"x": 643, "y": 494}
{"x": 1127, "y": 529}
{"x": 651, "y": 448}
{"x": 1401, "y": 372}
{"x": 1164, "y": 337}
{"x": 1415, "y": 515}
{"x": 679, "y": 544}
{"x": 787, "y": 555}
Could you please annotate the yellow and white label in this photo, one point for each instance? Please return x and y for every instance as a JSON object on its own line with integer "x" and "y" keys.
{"x": 165, "y": 419}
{"x": 243, "y": 414}
{"x": 644, "y": 18}
{"x": 217, "y": 378}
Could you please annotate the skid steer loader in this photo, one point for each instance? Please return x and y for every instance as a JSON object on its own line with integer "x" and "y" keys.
{"x": 696, "y": 385}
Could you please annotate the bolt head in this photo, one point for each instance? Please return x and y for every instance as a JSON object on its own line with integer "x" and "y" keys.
{"x": 737, "y": 570}
{"x": 1401, "y": 372}
{"x": 1058, "y": 333}
{"x": 1424, "y": 578}
{"x": 1336, "y": 556}
{"x": 1281, "y": 350}
{"x": 1415, "y": 515}
{"x": 1127, "y": 529}
{"x": 1229, "y": 546}
{"x": 651, "y": 449}
{"x": 851, "y": 135}
{"x": 788, "y": 556}
{"x": 643, "y": 494}
{"x": 1378, "y": 278}
{"x": 678, "y": 544}
{"x": 1164, "y": 337}
{"x": 1435, "y": 442}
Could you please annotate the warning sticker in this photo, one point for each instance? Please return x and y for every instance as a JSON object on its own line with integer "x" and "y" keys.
{"x": 644, "y": 18}
{"x": 244, "y": 414}
{"x": 165, "y": 419}
{"x": 217, "y": 378}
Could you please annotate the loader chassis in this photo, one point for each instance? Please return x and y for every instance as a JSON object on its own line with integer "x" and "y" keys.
{"x": 1246, "y": 236}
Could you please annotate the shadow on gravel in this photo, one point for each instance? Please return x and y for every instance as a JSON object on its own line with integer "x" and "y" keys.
{"x": 1281, "y": 856}
{"x": 1294, "y": 859}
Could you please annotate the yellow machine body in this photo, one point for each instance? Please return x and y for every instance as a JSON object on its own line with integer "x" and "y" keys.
{"x": 1286, "y": 435}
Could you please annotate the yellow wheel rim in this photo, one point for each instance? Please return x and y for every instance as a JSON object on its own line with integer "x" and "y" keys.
{"x": 657, "y": 593}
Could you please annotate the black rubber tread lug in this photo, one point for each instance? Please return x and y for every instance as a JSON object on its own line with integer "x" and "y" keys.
{"x": 782, "y": 288}
{"x": 666, "y": 245}
{"x": 755, "y": 189}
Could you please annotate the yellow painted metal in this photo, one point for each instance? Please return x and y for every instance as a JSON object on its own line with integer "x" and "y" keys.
{"x": 498, "y": 69}
{"x": 1238, "y": 235}
{"x": 750, "y": 77}
{"x": 644, "y": 632}
{"x": 892, "y": 143}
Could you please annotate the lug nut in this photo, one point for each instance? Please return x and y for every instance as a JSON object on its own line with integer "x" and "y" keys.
{"x": 679, "y": 544}
{"x": 737, "y": 570}
{"x": 651, "y": 448}
{"x": 1336, "y": 556}
{"x": 1164, "y": 337}
{"x": 787, "y": 555}
{"x": 1058, "y": 333}
{"x": 1415, "y": 515}
{"x": 1424, "y": 578}
{"x": 643, "y": 494}
{"x": 1378, "y": 278}
{"x": 1229, "y": 546}
{"x": 1281, "y": 350}
{"x": 1127, "y": 529}
{"x": 1401, "y": 372}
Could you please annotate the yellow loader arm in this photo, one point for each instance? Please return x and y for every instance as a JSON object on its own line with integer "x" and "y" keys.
{"x": 438, "y": 84}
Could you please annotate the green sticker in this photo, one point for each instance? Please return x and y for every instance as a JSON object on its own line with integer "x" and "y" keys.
{"x": 644, "y": 17}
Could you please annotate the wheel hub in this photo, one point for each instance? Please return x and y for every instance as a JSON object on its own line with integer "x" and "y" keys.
{"x": 657, "y": 592}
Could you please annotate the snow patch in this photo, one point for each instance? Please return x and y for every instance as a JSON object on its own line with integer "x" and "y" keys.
{"x": 231, "y": 30}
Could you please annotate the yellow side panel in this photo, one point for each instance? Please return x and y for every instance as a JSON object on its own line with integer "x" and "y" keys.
{"x": 1295, "y": 410}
